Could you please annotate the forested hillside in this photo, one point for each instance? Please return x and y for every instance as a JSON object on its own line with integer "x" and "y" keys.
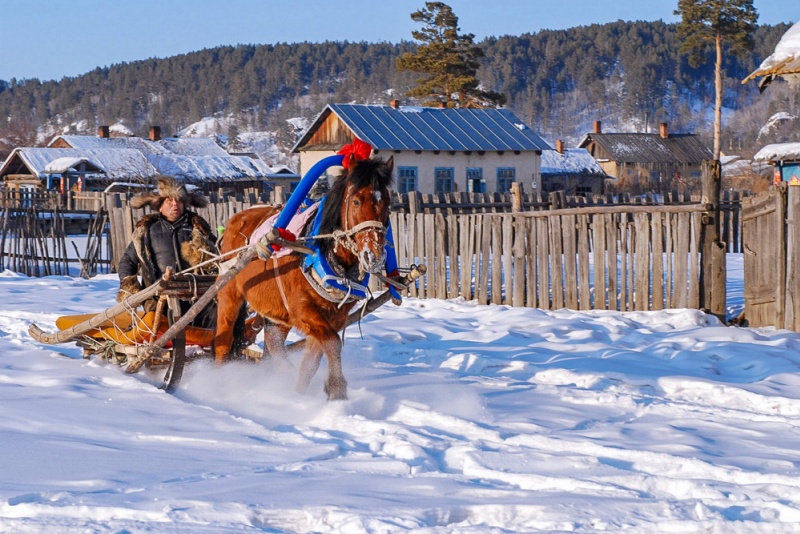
{"x": 627, "y": 74}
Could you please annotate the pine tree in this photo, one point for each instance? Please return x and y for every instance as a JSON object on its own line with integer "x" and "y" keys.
{"x": 449, "y": 59}
{"x": 706, "y": 23}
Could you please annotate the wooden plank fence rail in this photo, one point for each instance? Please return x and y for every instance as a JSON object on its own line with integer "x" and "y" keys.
{"x": 616, "y": 258}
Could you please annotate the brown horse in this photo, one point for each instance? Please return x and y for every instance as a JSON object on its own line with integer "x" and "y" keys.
{"x": 356, "y": 210}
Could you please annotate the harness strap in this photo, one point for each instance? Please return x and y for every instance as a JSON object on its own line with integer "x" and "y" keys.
{"x": 280, "y": 284}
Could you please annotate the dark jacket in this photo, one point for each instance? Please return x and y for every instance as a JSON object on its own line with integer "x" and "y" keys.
{"x": 157, "y": 244}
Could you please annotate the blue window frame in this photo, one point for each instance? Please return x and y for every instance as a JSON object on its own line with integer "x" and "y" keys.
{"x": 444, "y": 179}
{"x": 505, "y": 175}
{"x": 475, "y": 181}
{"x": 406, "y": 179}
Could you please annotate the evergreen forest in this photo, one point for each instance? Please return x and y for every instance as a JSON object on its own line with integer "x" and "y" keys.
{"x": 629, "y": 75}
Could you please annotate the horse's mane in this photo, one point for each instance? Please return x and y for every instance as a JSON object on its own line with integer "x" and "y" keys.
{"x": 372, "y": 172}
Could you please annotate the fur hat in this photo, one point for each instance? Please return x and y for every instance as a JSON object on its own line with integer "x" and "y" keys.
{"x": 169, "y": 187}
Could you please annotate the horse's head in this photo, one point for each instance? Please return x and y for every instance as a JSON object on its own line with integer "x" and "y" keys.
{"x": 358, "y": 205}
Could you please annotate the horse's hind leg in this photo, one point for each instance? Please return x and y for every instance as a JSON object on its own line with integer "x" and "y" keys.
{"x": 335, "y": 384}
{"x": 229, "y": 304}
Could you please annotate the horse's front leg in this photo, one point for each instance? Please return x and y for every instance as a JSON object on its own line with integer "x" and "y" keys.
{"x": 275, "y": 342}
{"x": 229, "y": 303}
{"x": 335, "y": 384}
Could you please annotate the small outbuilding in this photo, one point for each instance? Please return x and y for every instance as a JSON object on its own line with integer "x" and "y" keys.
{"x": 650, "y": 161}
{"x": 572, "y": 170}
{"x": 785, "y": 158}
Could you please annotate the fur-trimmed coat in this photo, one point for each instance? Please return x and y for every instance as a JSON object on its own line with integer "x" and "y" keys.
{"x": 157, "y": 244}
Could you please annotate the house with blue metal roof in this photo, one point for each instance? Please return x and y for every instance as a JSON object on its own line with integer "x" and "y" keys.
{"x": 435, "y": 150}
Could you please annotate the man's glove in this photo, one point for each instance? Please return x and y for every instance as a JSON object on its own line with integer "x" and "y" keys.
{"x": 128, "y": 286}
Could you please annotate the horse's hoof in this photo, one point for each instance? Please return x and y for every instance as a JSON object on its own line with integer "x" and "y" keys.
{"x": 338, "y": 392}
{"x": 338, "y": 397}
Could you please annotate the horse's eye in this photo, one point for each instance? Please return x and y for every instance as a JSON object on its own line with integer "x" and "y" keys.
{"x": 356, "y": 202}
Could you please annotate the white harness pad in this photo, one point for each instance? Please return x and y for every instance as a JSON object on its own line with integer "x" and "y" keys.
{"x": 295, "y": 226}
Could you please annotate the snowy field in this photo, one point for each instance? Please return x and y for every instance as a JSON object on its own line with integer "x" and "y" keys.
{"x": 461, "y": 418}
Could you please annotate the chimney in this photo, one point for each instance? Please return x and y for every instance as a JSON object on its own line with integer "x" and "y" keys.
{"x": 394, "y": 103}
{"x": 102, "y": 131}
{"x": 155, "y": 133}
{"x": 598, "y": 127}
{"x": 663, "y": 130}
{"x": 559, "y": 146}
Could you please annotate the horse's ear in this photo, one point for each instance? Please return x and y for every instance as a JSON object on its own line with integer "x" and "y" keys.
{"x": 390, "y": 163}
{"x": 349, "y": 163}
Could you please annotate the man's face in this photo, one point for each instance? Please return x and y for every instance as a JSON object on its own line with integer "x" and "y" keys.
{"x": 172, "y": 209}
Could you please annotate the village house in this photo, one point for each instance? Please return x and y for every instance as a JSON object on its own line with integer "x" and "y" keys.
{"x": 86, "y": 163}
{"x": 649, "y": 161}
{"x": 573, "y": 171}
{"x": 435, "y": 150}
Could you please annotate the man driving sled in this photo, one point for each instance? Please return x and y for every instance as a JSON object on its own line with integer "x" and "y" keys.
{"x": 171, "y": 237}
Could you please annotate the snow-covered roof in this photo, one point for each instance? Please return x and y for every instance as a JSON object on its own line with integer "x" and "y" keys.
{"x": 122, "y": 164}
{"x": 734, "y": 166}
{"x": 85, "y": 142}
{"x": 784, "y": 60}
{"x": 208, "y": 168}
{"x": 193, "y": 146}
{"x": 190, "y": 159}
{"x": 572, "y": 161}
{"x": 62, "y": 165}
{"x": 650, "y": 148}
{"x": 779, "y": 152}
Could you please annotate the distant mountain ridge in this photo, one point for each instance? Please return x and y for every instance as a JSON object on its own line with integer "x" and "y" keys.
{"x": 627, "y": 74}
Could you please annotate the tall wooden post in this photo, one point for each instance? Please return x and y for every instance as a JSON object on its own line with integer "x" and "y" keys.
{"x": 516, "y": 197}
{"x": 792, "y": 298}
{"x": 712, "y": 268}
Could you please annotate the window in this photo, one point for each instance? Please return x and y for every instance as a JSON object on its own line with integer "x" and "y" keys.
{"x": 475, "y": 182}
{"x": 444, "y": 179}
{"x": 505, "y": 175}
{"x": 406, "y": 179}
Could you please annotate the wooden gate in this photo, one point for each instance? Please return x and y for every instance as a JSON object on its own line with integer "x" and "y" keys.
{"x": 771, "y": 245}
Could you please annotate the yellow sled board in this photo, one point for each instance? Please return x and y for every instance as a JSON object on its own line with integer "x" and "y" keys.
{"x": 124, "y": 330}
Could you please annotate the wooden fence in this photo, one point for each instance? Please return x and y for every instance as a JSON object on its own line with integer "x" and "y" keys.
{"x": 34, "y": 241}
{"x": 607, "y": 258}
{"x": 553, "y": 252}
{"x": 464, "y": 203}
{"x": 772, "y": 258}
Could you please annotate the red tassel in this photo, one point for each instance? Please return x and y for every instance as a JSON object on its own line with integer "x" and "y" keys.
{"x": 357, "y": 150}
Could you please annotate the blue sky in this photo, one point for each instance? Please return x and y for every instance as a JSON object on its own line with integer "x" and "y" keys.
{"x": 49, "y": 39}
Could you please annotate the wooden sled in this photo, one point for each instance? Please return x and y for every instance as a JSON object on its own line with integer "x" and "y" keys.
{"x": 124, "y": 332}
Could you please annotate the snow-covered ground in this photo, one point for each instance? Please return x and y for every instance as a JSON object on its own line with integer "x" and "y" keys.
{"x": 461, "y": 418}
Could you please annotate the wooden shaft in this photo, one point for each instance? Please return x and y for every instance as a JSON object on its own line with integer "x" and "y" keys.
{"x": 153, "y": 348}
{"x": 81, "y": 328}
{"x": 371, "y": 305}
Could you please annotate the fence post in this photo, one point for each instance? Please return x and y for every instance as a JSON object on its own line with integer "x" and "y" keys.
{"x": 712, "y": 265}
{"x": 516, "y": 197}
